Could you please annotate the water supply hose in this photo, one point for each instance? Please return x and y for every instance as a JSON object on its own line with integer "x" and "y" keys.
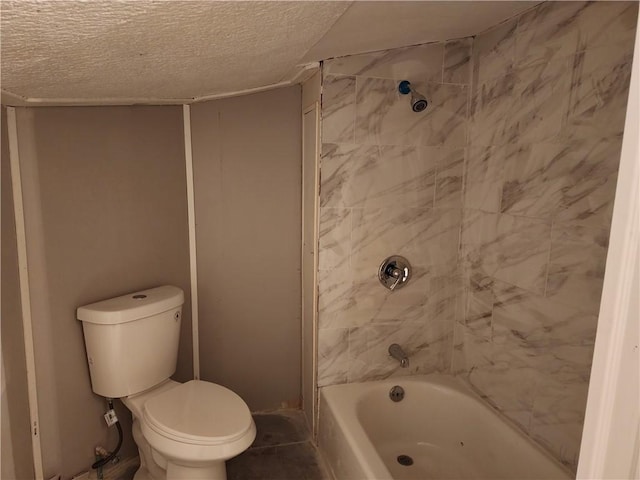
{"x": 102, "y": 462}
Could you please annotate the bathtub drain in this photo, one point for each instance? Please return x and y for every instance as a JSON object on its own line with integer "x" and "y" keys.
{"x": 405, "y": 460}
{"x": 396, "y": 393}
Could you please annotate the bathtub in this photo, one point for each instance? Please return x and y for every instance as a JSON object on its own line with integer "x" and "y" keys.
{"x": 443, "y": 428}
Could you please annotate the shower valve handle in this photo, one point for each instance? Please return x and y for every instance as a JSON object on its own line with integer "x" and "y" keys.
{"x": 394, "y": 272}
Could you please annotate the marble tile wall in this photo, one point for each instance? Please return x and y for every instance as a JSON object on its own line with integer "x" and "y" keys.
{"x": 391, "y": 184}
{"x": 548, "y": 100}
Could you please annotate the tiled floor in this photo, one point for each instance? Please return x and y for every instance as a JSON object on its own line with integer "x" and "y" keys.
{"x": 282, "y": 450}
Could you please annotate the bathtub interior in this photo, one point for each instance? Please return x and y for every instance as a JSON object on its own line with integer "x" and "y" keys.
{"x": 446, "y": 430}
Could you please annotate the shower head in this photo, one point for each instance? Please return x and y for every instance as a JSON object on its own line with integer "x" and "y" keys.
{"x": 418, "y": 101}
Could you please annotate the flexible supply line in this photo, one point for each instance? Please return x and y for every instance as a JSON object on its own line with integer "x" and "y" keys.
{"x": 112, "y": 455}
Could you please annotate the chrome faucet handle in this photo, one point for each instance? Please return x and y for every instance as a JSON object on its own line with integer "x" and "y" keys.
{"x": 394, "y": 272}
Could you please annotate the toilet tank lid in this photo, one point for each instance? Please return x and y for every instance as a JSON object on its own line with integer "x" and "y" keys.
{"x": 132, "y": 306}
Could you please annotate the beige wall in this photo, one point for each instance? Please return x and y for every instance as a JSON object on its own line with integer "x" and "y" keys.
{"x": 247, "y": 171}
{"x": 312, "y": 90}
{"x": 16, "y": 441}
{"x": 105, "y": 204}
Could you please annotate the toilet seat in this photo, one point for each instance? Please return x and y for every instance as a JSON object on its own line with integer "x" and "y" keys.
{"x": 198, "y": 413}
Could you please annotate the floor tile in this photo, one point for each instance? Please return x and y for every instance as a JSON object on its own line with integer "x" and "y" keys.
{"x": 282, "y": 450}
{"x": 286, "y": 426}
{"x": 298, "y": 461}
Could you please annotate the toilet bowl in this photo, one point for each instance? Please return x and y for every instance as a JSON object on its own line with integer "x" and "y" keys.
{"x": 183, "y": 430}
{"x": 191, "y": 428}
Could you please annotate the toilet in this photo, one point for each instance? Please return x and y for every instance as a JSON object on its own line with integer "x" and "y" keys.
{"x": 182, "y": 430}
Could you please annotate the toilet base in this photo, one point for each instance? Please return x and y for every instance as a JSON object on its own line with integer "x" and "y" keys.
{"x": 151, "y": 470}
{"x": 142, "y": 474}
{"x": 217, "y": 471}
{"x": 180, "y": 472}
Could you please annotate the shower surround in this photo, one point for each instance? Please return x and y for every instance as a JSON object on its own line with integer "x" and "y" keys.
{"x": 548, "y": 103}
{"x": 391, "y": 184}
{"x": 500, "y": 195}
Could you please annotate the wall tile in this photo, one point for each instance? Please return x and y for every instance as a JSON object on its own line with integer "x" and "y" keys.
{"x": 369, "y": 351}
{"x": 483, "y": 178}
{"x": 333, "y": 350}
{"x": 338, "y": 109}
{"x": 493, "y": 52}
{"x": 554, "y": 30}
{"x": 334, "y": 238}
{"x": 523, "y": 246}
{"x": 375, "y": 304}
{"x": 338, "y": 166}
{"x": 336, "y": 297}
{"x": 419, "y": 63}
{"x": 481, "y": 286}
{"x": 449, "y": 115}
{"x": 508, "y": 384}
{"x": 470, "y": 352}
{"x": 598, "y": 96}
{"x": 577, "y": 263}
{"x": 543, "y": 92}
{"x": 534, "y": 179}
{"x": 478, "y": 315}
{"x": 512, "y": 249}
{"x": 449, "y": 174}
{"x": 542, "y": 320}
{"x": 379, "y": 231}
{"x": 424, "y": 236}
{"x": 494, "y": 103}
{"x": 557, "y": 418}
{"x": 457, "y": 61}
{"x": 372, "y": 176}
{"x": 609, "y": 23}
{"x": 572, "y": 183}
{"x": 384, "y": 117}
{"x": 443, "y": 291}
{"x": 478, "y": 242}
{"x": 590, "y": 173}
{"x": 398, "y": 176}
{"x": 549, "y": 32}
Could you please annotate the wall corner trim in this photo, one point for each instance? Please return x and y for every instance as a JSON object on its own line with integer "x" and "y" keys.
{"x": 188, "y": 156}
{"x": 25, "y": 296}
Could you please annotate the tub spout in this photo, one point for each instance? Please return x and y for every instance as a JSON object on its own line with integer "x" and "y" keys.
{"x": 398, "y": 353}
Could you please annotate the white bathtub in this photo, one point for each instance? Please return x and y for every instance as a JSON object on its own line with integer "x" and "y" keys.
{"x": 447, "y": 430}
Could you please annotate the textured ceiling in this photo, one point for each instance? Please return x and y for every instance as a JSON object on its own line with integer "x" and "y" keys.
{"x": 370, "y": 26}
{"x": 129, "y": 51}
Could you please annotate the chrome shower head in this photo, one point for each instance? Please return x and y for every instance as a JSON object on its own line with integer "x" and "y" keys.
{"x": 418, "y": 101}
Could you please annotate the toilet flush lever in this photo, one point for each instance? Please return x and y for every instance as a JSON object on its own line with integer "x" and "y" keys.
{"x": 394, "y": 272}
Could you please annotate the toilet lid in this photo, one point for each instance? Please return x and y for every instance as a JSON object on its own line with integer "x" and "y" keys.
{"x": 198, "y": 412}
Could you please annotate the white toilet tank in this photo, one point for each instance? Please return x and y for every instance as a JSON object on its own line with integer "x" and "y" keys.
{"x": 132, "y": 340}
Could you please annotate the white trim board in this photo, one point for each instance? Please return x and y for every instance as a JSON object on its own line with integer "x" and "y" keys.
{"x": 193, "y": 266}
{"x": 25, "y": 295}
{"x": 314, "y": 173}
